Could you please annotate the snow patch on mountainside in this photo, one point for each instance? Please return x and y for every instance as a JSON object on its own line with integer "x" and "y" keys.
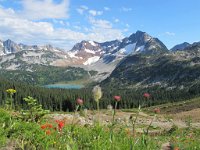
{"x": 91, "y": 60}
{"x": 92, "y": 43}
{"x": 89, "y": 51}
{"x": 140, "y": 49}
{"x": 56, "y": 50}
{"x": 152, "y": 47}
{"x": 7, "y": 51}
{"x": 72, "y": 54}
{"x": 128, "y": 49}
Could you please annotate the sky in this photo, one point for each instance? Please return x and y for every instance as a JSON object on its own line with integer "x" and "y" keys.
{"x": 63, "y": 23}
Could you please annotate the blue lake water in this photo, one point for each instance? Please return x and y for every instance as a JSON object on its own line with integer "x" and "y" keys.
{"x": 64, "y": 86}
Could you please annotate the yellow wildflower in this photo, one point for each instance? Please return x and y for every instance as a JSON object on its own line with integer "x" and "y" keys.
{"x": 11, "y": 91}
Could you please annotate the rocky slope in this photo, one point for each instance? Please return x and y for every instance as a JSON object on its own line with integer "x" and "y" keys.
{"x": 90, "y": 52}
{"x": 178, "y": 69}
{"x": 104, "y": 57}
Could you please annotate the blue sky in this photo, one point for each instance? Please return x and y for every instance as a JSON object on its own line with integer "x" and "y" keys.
{"x": 63, "y": 23}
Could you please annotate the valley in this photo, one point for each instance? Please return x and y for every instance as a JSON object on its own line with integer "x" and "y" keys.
{"x": 137, "y": 61}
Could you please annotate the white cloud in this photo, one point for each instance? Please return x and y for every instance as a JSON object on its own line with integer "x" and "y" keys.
{"x": 61, "y": 22}
{"x": 126, "y": 9}
{"x": 67, "y": 23}
{"x": 77, "y": 27}
{"x": 100, "y": 23}
{"x": 81, "y": 9}
{"x": 126, "y": 30}
{"x": 102, "y": 31}
{"x": 170, "y": 33}
{"x": 127, "y": 25}
{"x": 7, "y": 12}
{"x": 95, "y": 13}
{"x": 102, "y": 35}
{"x": 116, "y": 20}
{"x": 23, "y": 30}
{"x": 106, "y": 8}
{"x": 44, "y": 9}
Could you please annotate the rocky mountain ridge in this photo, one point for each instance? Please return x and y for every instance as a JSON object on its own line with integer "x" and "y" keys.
{"x": 120, "y": 60}
{"x": 86, "y": 54}
{"x": 177, "y": 69}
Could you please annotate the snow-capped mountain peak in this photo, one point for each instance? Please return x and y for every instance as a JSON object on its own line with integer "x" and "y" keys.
{"x": 139, "y": 42}
{"x": 88, "y": 53}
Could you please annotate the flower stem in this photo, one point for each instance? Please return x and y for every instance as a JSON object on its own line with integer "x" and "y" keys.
{"x": 113, "y": 119}
{"x": 147, "y": 131}
{"x": 134, "y": 121}
{"x": 98, "y": 112}
{"x": 74, "y": 118}
{"x": 113, "y": 123}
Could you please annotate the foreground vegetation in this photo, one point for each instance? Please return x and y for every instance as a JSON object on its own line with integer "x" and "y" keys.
{"x": 28, "y": 135}
{"x": 31, "y": 128}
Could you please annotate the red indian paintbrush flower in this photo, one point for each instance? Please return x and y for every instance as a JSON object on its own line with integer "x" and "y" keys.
{"x": 117, "y": 98}
{"x": 43, "y": 126}
{"x": 61, "y": 124}
{"x": 47, "y": 125}
{"x": 48, "y": 132}
{"x": 146, "y": 95}
{"x": 79, "y": 101}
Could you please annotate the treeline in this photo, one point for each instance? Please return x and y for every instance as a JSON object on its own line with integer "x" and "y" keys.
{"x": 64, "y": 100}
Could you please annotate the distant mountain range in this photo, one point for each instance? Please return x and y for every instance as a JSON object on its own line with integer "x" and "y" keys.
{"x": 137, "y": 60}
{"x": 181, "y": 46}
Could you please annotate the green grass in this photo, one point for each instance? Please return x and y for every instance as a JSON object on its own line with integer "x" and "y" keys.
{"x": 30, "y": 135}
{"x": 177, "y": 106}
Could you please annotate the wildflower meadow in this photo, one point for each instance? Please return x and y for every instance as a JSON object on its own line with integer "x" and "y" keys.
{"x": 34, "y": 128}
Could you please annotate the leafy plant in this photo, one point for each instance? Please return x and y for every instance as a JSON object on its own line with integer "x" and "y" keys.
{"x": 34, "y": 112}
{"x": 9, "y": 100}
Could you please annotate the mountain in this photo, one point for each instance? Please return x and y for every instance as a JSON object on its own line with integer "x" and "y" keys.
{"x": 180, "y": 47}
{"x": 15, "y": 56}
{"x": 89, "y": 55}
{"x": 10, "y": 47}
{"x": 140, "y": 42}
{"x": 137, "y": 61}
{"x": 105, "y": 56}
{"x": 179, "y": 69}
{"x": 1, "y": 48}
{"x": 89, "y": 52}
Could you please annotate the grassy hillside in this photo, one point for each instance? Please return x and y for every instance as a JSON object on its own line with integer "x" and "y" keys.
{"x": 177, "y": 107}
{"x": 42, "y": 75}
